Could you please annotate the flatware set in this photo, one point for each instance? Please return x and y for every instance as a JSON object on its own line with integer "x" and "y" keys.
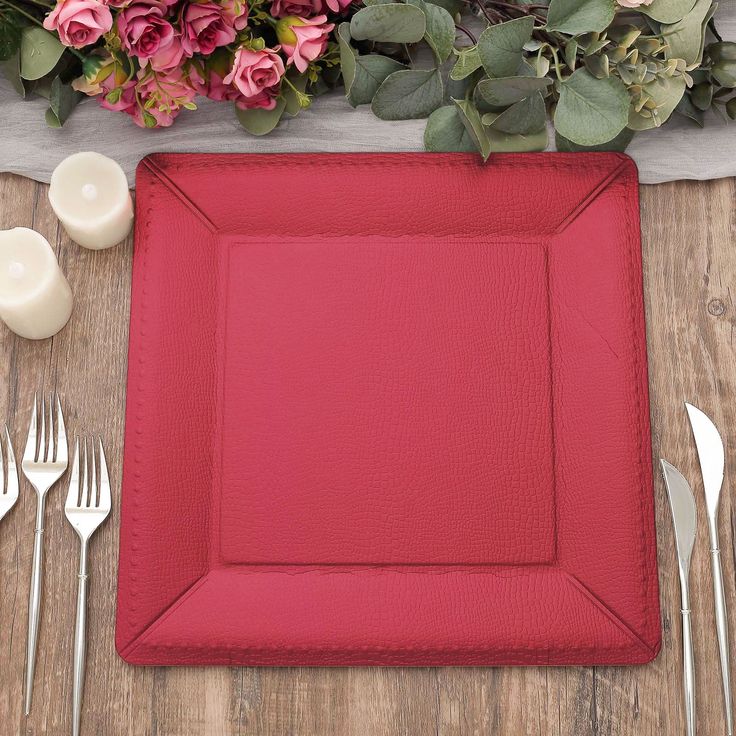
{"x": 711, "y": 457}
{"x": 88, "y": 503}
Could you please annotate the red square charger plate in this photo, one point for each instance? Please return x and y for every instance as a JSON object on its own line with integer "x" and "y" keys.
{"x": 387, "y": 409}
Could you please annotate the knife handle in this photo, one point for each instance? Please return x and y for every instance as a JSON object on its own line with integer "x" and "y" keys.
{"x": 688, "y": 672}
{"x": 722, "y": 631}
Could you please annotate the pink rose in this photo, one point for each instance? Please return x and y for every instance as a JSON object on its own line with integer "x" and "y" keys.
{"x": 79, "y": 22}
{"x": 633, "y": 3}
{"x": 303, "y": 8}
{"x": 204, "y": 27}
{"x": 257, "y": 76}
{"x": 338, "y": 6}
{"x": 303, "y": 39}
{"x": 236, "y": 12}
{"x": 143, "y": 28}
{"x": 168, "y": 57}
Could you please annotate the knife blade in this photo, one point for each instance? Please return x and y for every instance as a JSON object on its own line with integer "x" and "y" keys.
{"x": 684, "y": 519}
{"x": 712, "y": 458}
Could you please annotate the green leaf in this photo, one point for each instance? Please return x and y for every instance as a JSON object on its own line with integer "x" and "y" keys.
{"x": 394, "y": 23}
{"x": 377, "y": 2}
{"x": 591, "y": 111}
{"x": 260, "y": 121}
{"x": 512, "y": 143}
{"x": 500, "y": 46}
{"x": 686, "y": 38}
{"x": 508, "y": 90}
{"x": 408, "y": 94}
{"x": 440, "y": 31}
{"x": 619, "y": 143}
{"x": 370, "y": 72}
{"x": 62, "y": 100}
{"x": 11, "y": 70}
{"x": 470, "y": 118}
{"x": 580, "y": 16}
{"x": 686, "y": 108}
{"x": 445, "y": 132}
{"x": 453, "y": 7}
{"x": 11, "y": 28}
{"x": 468, "y": 60}
{"x": 293, "y": 105}
{"x": 522, "y": 118}
{"x": 39, "y": 52}
{"x": 667, "y": 93}
{"x": 667, "y": 11}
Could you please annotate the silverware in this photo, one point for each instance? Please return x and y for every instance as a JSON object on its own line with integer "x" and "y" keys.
{"x": 86, "y": 509}
{"x": 9, "y": 490}
{"x": 44, "y": 462}
{"x": 712, "y": 461}
{"x": 684, "y": 519}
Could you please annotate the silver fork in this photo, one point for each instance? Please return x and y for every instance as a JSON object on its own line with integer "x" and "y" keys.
{"x": 9, "y": 490}
{"x": 86, "y": 510}
{"x": 44, "y": 461}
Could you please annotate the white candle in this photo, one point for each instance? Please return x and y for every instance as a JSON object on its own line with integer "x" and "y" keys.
{"x": 35, "y": 298}
{"x": 89, "y": 194}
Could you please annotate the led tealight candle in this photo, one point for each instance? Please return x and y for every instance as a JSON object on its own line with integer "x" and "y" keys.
{"x": 89, "y": 194}
{"x": 35, "y": 298}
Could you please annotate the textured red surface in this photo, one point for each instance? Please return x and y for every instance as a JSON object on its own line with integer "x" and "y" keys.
{"x": 416, "y": 433}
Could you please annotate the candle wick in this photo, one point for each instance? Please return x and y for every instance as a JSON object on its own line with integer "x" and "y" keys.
{"x": 89, "y": 192}
{"x": 16, "y": 270}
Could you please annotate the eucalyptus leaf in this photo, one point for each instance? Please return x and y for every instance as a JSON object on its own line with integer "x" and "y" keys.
{"x": 39, "y": 52}
{"x": 580, "y": 16}
{"x": 408, "y": 94}
{"x": 500, "y": 46}
{"x": 293, "y": 106}
{"x": 686, "y": 108}
{"x": 453, "y": 7}
{"x": 591, "y": 111}
{"x": 667, "y": 11}
{"x": 377, "y": 2}
{"x": 62, "y": 100}
{"x": 686, "y": 38}
{"x": 370, "y": 72}
{"x": 508, "y": 90}
{"x": 510, "y": 143}
{"x": 667, "y": 93}
{"x": 468, "y": 60}
{"x": 440, "y": 29}
{"x": 389, "y": 23}
{"x": 618, "y": 144}
{"x": 470, "y": 118}
{"x": 445, "y": 132}
{"x": 523, "y": 118}
{"x": 260, "y": 121}
{"x": 11, "y": 70}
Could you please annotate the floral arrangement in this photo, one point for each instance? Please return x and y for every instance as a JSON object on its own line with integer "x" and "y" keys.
{"x": 487, "y": 74}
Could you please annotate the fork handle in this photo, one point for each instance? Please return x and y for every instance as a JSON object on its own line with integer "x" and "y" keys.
{"x": 722, "y": 631}
{"x": 688, "y": 672}
{"x": 80, "y": 640}
{"x": 34, "y": 602}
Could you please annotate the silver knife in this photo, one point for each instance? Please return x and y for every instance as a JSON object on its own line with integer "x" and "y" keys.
{"x": 684, "y": 519}
{"x": 712, "y": 461}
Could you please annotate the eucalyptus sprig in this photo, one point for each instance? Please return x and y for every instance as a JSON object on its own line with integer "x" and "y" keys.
{"x": 600, "y": 72}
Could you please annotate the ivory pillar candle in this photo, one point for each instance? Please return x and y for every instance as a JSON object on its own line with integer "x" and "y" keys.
{"x": 89, "y": 194}
{"x": 35, "y": 298}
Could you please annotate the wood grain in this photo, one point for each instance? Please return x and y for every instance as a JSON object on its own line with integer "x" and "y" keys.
{"x": 690, "y": 265}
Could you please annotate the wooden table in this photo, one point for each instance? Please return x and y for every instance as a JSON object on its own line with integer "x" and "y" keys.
{"x": 690, "y": 265}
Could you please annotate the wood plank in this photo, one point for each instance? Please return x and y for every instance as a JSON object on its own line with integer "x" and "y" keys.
{"x": 690, "y": 265}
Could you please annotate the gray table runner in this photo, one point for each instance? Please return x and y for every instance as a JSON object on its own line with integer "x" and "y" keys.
{"x": 679, "y": 150}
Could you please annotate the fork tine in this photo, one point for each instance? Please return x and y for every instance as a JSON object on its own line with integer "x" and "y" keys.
{"x": 72, "y": 497}
{"x": 12, "y": 488}
{"x": 93, "y": 481}
{"x": 84, "y": 500}
{"x": 29, "y": 455}
{"x": 62, "y": 450}
{"x": 50, "y": 451}
{"x": 42, "y": 441}
{"x": 105, "y": 500}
